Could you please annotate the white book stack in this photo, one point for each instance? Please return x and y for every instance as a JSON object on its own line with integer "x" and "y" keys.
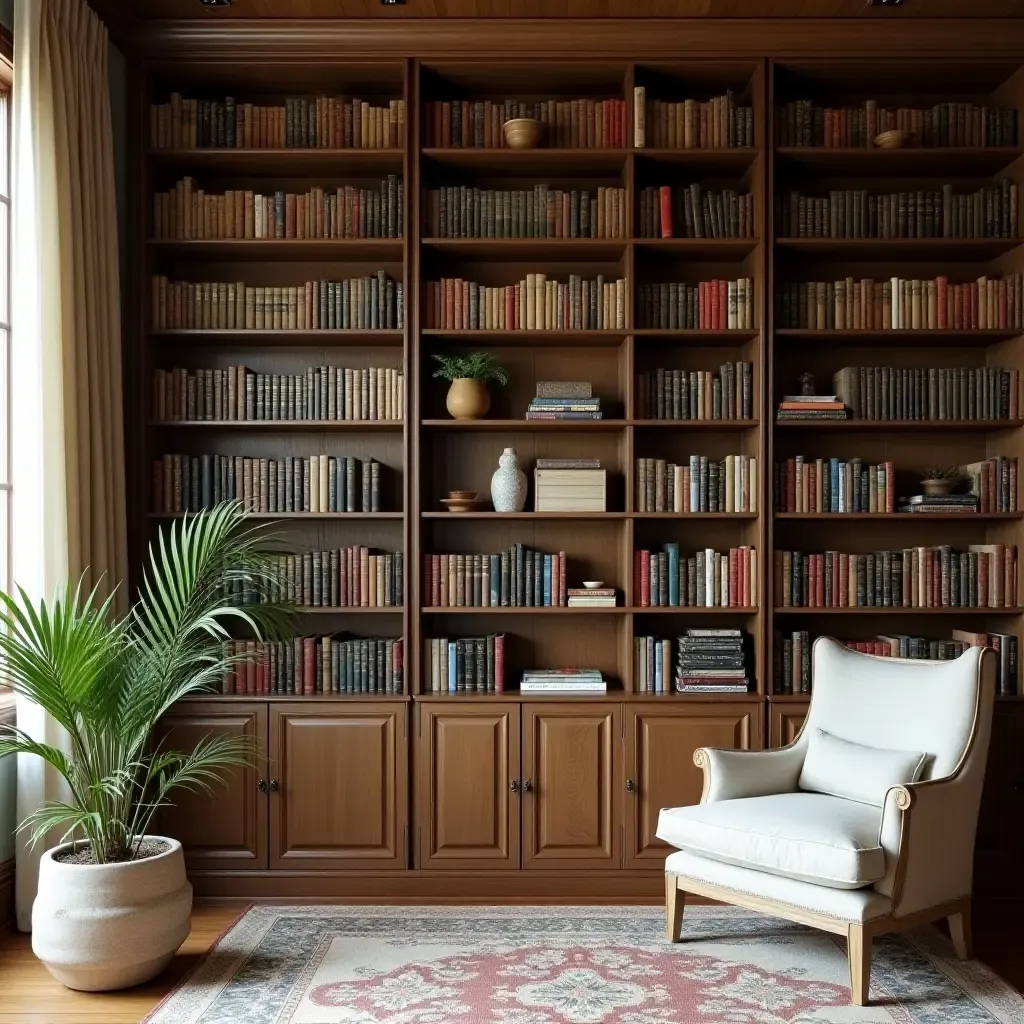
{"x": 570, "y": 490}
{"x": 563, "y": 680}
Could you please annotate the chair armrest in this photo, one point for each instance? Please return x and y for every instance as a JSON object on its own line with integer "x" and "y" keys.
{"x": 927, "y": 832}
{"x": 734, "y": 774}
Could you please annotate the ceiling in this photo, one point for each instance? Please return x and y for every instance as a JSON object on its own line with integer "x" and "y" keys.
{"x": 147, "y": 9}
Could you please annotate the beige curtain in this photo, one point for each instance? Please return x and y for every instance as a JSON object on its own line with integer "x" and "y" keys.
{"x": 68, "y": 447}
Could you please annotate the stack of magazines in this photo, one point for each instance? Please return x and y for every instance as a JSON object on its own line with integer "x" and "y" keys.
{"x": 562, "y": 680}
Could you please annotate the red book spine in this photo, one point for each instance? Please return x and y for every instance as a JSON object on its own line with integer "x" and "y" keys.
{"x": 844, "y": 577}
{"x": 227, "y": 684}
{"x": 665, "y": 207}
{"x": 645, "y": 579}
{"x": 702, "y": 289}
{"x": 499, "y": 663}
{"x": 723, "y": 305}
{"x": 308, "y": 666}
{"x": 265, "y": 665}
{"x": 250, "y": 666}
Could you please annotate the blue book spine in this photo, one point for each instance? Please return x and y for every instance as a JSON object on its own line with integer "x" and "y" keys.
{"x": 833, "y": 475}
{"x": 547, "y": 581}
{"x": 672, "y": 550}
{"x": 452, "y": 666}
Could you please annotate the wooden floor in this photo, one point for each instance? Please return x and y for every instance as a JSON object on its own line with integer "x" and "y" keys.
{"x": 28, "y": 995}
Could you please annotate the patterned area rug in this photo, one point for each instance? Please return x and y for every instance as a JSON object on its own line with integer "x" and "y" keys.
{"x": 567, "y": 965}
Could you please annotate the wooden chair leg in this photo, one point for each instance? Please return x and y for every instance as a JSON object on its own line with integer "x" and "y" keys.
{"x": 858, "y": 950}
{"x": 960, "y": 932}
{"x": 675, "y": 903}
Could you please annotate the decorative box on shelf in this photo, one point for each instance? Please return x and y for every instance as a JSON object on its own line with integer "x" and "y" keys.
{"x": 570, "y": 490}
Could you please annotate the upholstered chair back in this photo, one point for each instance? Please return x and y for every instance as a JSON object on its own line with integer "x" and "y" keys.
{"x": 899, "y": 703}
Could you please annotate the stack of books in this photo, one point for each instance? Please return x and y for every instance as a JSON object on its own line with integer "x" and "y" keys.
{"x": 943, "y": 503}
{"x": 592, "y": 597}
{"x": 711, "y": 661}
{"x": 811, "y": 407}
{"x": 562, "y": 680}
{"x": 564, "y": 400}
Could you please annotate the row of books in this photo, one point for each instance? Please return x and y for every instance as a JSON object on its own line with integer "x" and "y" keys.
{"x": 705, "y": 579}
{"x": 689, "y": 212}
{"x": 990, "y": 212}
{"x": 699, "y": 484}
{"x": 564, "y": 407}
{"x": 717, "y": 123}
{"x": 317, "y": 483}
{"x": 806, "y": 123}
{"x": 568, "y": 124}
{"x": 318, "y": 393}
{"x": 350, "y": 577}
{"x": 474, "y": 664}
{"x": 517, "y": 577}
{"x": 188, "y": 212}
{"x": 903, "y": 304}
{"x": 466, "y": 211}
{"x": 705, "y": 306}
{"x": 374, "y": 302}
{"x": 533, "y": 304}
{"x": 671, "y": 394}
{"x": 840, "y": 485}
{"x": 792, "y": 655}
{"x": 984, "y": 576}
{"x": 712, "y": 661}
{"x": 929, "y": 393}
{"x": 301, "y": 122}
{"x": 309, "y": 665}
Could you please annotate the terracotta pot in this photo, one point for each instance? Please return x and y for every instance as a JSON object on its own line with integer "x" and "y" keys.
{"x": 468, "y": 399}
{"x": 522, "y": 132}
{"x": 100, "y": 927}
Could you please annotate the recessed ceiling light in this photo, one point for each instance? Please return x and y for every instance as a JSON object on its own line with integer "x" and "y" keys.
{"x": 215, "y": 3}
{"x": 391, "y": 3}
{"x": 886, "y": 3}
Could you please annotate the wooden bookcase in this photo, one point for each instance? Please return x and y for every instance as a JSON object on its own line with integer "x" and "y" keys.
{"x": 421, "y": 795}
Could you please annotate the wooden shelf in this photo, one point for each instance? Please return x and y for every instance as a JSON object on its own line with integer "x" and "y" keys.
{"x": 603, "y": 249}
{"x": 703, "y": 160}
{"x": 933, "y": 162}
{"x": 299, "y": 426}
{"x": 388, "y": 250}
{"x": 900, "y": 248}
{"x": 712, "y": 248}
{"x": 726, "y": 337}
{"x": 508, "y": 162}
{"x": 898, "y": 426}
{"x": 529, "y": 426}
{"x": 391, "y": 609}
{"x": 274, "y": 697}
{"x": 612, "y": 696}
{"x": 509, "y": 610}
{"x": 694, "y": 515}
{"x": 295, "y": 515}
{"x": 887, "y": 339}
{"x": 249, "y": 162}
{"x": 895, "y": 610}
{"x": 710, "y": 425}
{"x": 689, "y": 610}
{"x": 582, "y": 339}
{"x": 309, "y": 339}
{"x": 969, "y": 517}
{"x": 539, "y": 516}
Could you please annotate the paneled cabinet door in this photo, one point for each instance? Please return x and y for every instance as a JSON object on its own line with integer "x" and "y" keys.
{"x": 338, "y": 788}
{"x": 785, "y": 721}
{"x": 660, "y": 741}
{"x": 572, "y": 785}
{"x": 467, "y": 779}
{"x": 226, "y": 828}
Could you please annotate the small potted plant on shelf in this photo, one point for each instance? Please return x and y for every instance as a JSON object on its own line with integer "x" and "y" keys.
{"x": 114, "y": 904}
{"x": 467, "y": 397}
{"x": 939, "y": 480}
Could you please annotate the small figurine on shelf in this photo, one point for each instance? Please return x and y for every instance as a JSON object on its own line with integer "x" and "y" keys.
{"x": 808, "y": 385}
{"x": 467, "y": 397}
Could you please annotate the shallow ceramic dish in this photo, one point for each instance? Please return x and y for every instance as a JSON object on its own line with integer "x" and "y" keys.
{"x": 895, "y": 138}
{"x": 464, "y": 504}
{"x": 593, "y": 584}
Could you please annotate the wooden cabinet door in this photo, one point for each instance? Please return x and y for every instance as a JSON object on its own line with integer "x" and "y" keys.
{"x": 226, "y": 828}
{"x": 339, "y": 792}
{"x": 785, "y": 721}
{"x": 660, "y": 741}
{"x": 572, "y": 760}
{"x": 467, "y": 779}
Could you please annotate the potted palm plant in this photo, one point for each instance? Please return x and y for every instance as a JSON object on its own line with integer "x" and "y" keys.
{"x": 114, "y": 904}
{"x": 467, "y": 397}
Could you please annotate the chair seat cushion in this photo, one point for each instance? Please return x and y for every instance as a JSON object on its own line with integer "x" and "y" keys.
{"x": 808, "y": 836}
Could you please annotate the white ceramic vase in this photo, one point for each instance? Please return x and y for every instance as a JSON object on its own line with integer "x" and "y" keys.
{"x": 100, "y": 927}
{"x": 508, "y": 485}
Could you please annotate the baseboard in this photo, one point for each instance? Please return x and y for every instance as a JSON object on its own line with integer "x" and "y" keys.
{"x": 6, "y": 893}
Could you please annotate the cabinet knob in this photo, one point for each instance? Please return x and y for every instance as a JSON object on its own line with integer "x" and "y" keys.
{"x": 262, "y": 785}
{"x": 514, "y": 785}
{"x": 527, "y": 786}
{"x": 274, "y": 786}
{"x": 630, "y": 786}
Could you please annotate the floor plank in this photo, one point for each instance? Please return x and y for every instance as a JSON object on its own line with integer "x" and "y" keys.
{"x": 31, "y": 996}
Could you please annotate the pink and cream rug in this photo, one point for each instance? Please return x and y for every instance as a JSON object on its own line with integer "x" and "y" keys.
{"x": 567, "y": 965}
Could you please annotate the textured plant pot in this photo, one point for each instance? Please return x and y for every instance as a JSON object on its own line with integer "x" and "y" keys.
{"x": 100, "y": 927}
{"x": 937, "y": 486}
{"x": 468, "y": 399}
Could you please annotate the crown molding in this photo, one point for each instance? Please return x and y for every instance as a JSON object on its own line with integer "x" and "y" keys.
{"x": 117, "y": 16}
{"x": 625, "y": 38}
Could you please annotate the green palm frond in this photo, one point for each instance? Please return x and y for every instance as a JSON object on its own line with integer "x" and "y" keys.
{"x": 108, "y": 682}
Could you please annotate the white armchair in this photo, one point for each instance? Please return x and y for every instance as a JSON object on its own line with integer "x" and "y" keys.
{"x": 863, "y": 825}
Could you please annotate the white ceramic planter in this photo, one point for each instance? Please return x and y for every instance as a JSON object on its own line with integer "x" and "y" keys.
{"x": 100, "y": 927}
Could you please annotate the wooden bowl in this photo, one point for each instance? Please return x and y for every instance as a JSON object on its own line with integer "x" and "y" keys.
{"x": 522, "y": 132}
{"x": 895, "y": 138}
{"x": 463, "y": 495}
{"x": 464, "y": 504}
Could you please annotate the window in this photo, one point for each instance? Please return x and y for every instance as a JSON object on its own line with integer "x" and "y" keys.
{"x": 6, "y": 79}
